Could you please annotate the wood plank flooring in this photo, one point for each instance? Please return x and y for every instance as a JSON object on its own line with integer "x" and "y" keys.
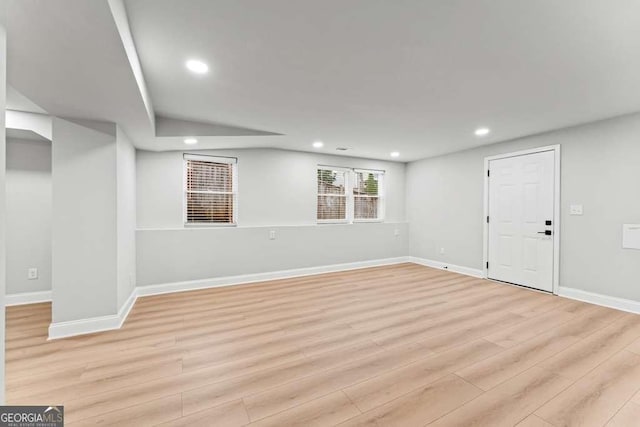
{"x": 400, "y": 345}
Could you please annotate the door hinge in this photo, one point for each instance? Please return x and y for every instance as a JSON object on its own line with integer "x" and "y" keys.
{"x": 487, "y": 219}
{"x": 488, "y": 172}
{"x": 487, "y": 264}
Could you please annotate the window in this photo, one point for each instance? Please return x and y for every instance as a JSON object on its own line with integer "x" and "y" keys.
{"x": 349, "y": 195}
{"x": 332, "y": 195}
{"x": 210, "y": 190}
{"x": 366, "y": 195}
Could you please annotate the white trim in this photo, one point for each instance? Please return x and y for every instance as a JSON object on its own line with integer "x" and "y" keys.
{"x": 27, "y": 298}
{"x": 105, "y": 323}
{"x": 334, "y": 168}
{"x": 556, "y": 208}
{"x": 474, "y": 272}
{"x": 212, "y": 159}
{"x": 124, "y": 311}
{"x": 622, "y": 304}
{"x": 233, "y": 161}
{"x": 277, "y": 226}
{"x": 349, "y": 185}
{"x": 83, "y": 326}
{"x": 110, "y": 322}
{"x": 93, "y": 324}
{"x": 607, "y": 301}
{"x": 197, "y": 225}
{"x": 191, "y": 285}
{"x": 523, "y": 152}
{"x": 333, "y": 221}
{"x": 378, "y": 171}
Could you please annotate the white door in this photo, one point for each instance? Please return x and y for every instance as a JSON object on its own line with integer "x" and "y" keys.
{"x": 521, "y": 228}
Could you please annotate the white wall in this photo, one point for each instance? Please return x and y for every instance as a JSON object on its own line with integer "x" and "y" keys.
{"x": 600, "y": 170}
{"x": 285, "y": 181}
{"x": 276, "y": 191}
{"x": 167, "y": 256}
{"x": 126, "y": 216}
{"x": 84, "y": 219}
{"x": 28, "y": 215}
{"x": 3, "y": 92}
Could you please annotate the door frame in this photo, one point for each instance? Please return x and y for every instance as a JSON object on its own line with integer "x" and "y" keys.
{"x": 556, "y": 209}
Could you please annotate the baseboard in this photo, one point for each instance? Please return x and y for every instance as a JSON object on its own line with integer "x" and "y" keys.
{"x": 93, "y": 324}
{"x": 467, "y": 271}
{"x": 27, "y": 298}
{"x": 612, "y": 302}
{"x": 105, "y": 323}
{"x": 192, "y": 285}
{"x": 622, "y": 304}
{"x": 111, "y": 322}
{"x": 124, "y": 311}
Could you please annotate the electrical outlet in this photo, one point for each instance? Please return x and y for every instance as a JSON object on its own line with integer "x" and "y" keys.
{"x": 32, "y": 273}
{"x": 441, "y": 251}
{"x": 272, "y": 235}
{"x": 575, "y": 210}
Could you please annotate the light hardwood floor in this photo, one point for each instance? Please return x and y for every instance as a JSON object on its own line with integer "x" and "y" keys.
{"x": 401, "y": 345}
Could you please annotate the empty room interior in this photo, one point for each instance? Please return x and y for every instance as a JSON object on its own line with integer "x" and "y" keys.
{"x": 320, "y": 212}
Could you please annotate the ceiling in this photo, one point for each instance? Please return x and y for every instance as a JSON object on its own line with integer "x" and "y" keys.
{"x": 18, "y": 102}
{"x": 414, "y": 76}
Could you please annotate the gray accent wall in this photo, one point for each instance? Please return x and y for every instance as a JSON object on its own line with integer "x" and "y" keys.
{"x": 28, "y": 215}
{"x": 276, "y": 192}
{"x": 600, "y": 169}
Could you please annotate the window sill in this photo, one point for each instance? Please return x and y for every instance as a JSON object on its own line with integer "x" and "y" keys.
{"x": 261, "y": 226}
{"x": 331, "y": 221}
{"x": 208, "y": 225}
{"x": 358, "y": 221}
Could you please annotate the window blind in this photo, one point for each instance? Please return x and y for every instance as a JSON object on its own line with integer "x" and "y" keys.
{"x": 210, "y": 193}
{"x": 332, "y": 195}
{"x": 366, "y": 194}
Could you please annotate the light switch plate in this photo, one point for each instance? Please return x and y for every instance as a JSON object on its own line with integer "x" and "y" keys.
{"x": 631, "y": 236}
{"x": 575, "y": 210}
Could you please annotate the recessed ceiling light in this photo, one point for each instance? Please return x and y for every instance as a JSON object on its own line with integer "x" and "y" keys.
{"x": 197, "y": 67}
{"x": 318, "y": 144}
{"x": 395, "y": 154}
{"x": 190, "y": 141}
{"x": 482, "y": 131}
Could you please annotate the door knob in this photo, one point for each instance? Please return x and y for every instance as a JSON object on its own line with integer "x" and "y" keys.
{"x": 546, "y": 232}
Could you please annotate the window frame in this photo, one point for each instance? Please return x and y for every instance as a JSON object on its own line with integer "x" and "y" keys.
{"x": 350, "y": 197}
{"x": 347, "y": 188}
{"x": 233, "y": 161}
{"x": 380, "y": 196}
